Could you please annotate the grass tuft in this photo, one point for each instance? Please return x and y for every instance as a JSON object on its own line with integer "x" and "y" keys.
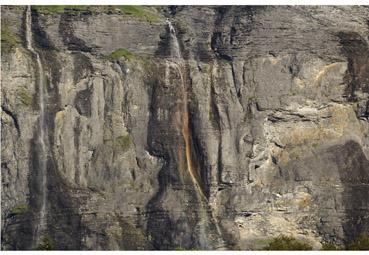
{"x": 47, "y": 243}
{"x": 52, "y": 9}
{"x": 287, "y": 243}
{"x": 123, "y": 142}
{"x": 24, "y": 97}
{"x": 18, "y": 210}
{"x": 330, "y": 247}
{"x": 139, "y": 12}
{"x": 360, "y": 243}
{"x": 121, "y": 52}
{"x": 8, "y": 39}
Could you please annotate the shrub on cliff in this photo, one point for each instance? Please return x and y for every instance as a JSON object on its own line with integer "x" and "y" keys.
{"x": 24, "y": 96}
{"x": 123, "y": 142}
{"x": 121, "y": 52}
{"x": 330, "y": 247}
{"x": 46, "y": 244}
{"x": 287, "y": 243}
{"x": 18, "y": 210}
{"x": 360, "y": 243}
{"x": 8, "y": 39}
{"x": 139, "y": 12}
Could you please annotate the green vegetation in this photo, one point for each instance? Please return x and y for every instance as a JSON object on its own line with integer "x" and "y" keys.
{"x": 224, "y": 61}
{"x": 51, "y": 9}
{"x": 139, "y": 12}
{"x": 24, "y": 97}
{"x": 360, "y": 243}
{"x": 18, "y": 210}
{"x": 146, "y": 62}
{"x": 252, "y": 98}
{"x": 8, "y": 39}
{"x": 287, "y": 243}
{"x": 132, "y": 185}
{"x": 121, "y": 52}
{"x": 46, "y": 244}
{"x": 330, "y": 247}
{"x": 160, "y": 8}
{"x": 259, "y": 244}
{"x": 123, "y": 142}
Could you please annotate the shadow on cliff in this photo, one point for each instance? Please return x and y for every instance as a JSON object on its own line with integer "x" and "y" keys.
{"x": 356, "y": 49}
{"x": 63, "y": 220}
{"x": 354, "y": 175}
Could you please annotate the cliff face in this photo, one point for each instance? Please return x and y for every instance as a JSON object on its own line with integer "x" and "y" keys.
{"x": 218, "y": 128}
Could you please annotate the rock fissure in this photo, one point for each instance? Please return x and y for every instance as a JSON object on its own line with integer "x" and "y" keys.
{"x": 217, "y": 128}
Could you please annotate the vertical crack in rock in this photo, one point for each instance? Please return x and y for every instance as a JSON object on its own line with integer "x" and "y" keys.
{"x": 13, "y": 116}
{"x": 219, "y": 128}
{"x": 356, "y": 50}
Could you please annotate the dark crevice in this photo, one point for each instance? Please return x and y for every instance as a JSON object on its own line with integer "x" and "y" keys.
{"x": 355, "y": 48}
{"x": 82, "y": 67}
{"x": 82, "y": 102}
{"x": 13, "y": 116}
{"x": 66, "y": 32}
{"x": 354, "y": 175}
{"x": 198, "y": 157}
{"x": 159, "y": 223}
{"x": 40, "y": 38}
{"x": 215, "y": 121}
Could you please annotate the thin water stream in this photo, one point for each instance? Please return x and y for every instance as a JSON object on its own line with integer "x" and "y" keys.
{"x": 204, "y": 209}
{"x": 41, "y": 142}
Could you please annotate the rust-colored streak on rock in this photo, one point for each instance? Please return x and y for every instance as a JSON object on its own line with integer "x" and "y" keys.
{"x": 187, "y": 139}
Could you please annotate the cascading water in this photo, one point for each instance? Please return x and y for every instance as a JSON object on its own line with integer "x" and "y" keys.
{"x": 205, "y": 222}
{"x": 41, "y": 142}
{"x": 175, "y": 51}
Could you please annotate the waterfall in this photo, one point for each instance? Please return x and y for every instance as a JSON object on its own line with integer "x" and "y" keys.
{"x": 175, "y": 50}
{"x": 205, "y": 222}
{"x": 41, "y": 141}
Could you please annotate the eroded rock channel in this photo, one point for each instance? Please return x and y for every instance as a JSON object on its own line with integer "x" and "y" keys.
{"x": 183, "y": 127}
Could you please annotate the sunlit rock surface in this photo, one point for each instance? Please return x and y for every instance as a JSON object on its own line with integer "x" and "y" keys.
{"x": 240, "y": 124}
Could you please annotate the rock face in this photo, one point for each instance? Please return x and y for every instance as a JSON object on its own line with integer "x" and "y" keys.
{"x": 215, "y": 128}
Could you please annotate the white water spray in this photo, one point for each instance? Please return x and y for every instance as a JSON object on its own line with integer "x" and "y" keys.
{"x": 175, "y": 50}
{"x": 42, "y": 219}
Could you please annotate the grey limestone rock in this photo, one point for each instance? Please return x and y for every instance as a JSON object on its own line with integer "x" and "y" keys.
{"x": 237, "y": 125}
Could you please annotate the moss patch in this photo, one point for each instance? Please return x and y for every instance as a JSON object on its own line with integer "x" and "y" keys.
{"x": 252, "y": 99}
{"x": 138, "y": 12}
{"x": 24, "y": 96}
{"x": 146, "y": 62}
{"x": 287, "y": 243}
{"x": 123, "y": 142}
{"x": 18, "y": 210}
{"x": 47, "y": 243}
{"x": 258, "y": 244}
{"x": 121, "y": 52}
{"x": 179, "y": 248}
{"x": 360, "y": 243}
{"x": 8, "y": 39}
{"x": 330, "y": 247}
{"x": 51, "y": 9}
